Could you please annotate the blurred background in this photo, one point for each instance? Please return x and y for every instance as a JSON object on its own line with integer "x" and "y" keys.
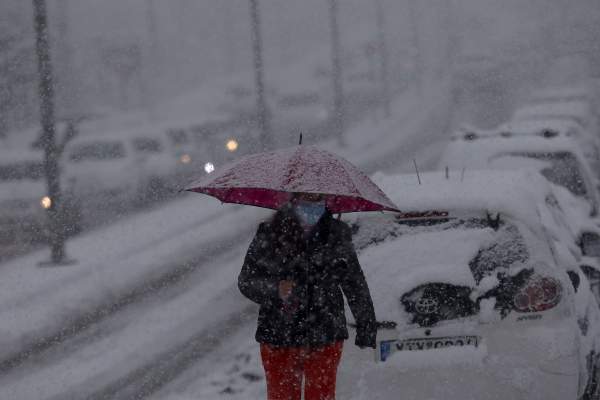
{"x": 150, "y": 95}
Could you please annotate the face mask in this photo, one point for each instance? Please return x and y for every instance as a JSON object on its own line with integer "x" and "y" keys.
{"x": 310, "y": 212}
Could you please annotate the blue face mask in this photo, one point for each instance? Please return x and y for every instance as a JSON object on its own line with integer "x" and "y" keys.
{"x": 310, "y": 212}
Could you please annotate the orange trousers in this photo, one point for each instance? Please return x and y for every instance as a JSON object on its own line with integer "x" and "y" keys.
{"x": 284, "y": 367}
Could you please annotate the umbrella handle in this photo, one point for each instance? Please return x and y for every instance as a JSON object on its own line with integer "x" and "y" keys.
{"x": 290, "y": 310}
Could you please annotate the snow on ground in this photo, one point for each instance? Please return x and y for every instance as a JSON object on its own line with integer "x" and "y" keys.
{"x": 110, "y": 261}
{"x": 138, "y": 336}
{"x": 234, "y": 370}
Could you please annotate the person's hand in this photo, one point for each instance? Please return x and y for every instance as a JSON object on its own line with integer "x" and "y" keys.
{"x": 285, "y": 288}
{"x": 362, "y": 347}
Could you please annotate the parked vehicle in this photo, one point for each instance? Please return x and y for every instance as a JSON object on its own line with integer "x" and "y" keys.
{"x": 159, "y": 168}
{"x": 580, "y": 112}
{"x": 475, "y": 293}
{"x": 588, "y": 142}
{"x": 110, "y": 169}
{"x": 557, "y": 158}
{"x": 576, "y": 93}
{"x": 24, "y": 200}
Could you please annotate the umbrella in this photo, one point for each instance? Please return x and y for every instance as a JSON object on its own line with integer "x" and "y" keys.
{"x": 269, "y": 179}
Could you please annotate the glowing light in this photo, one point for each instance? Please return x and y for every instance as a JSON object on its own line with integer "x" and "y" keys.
{"x": 209, "y": 167}
{"x": 186, "y": 158}
{"x": 46, "y": 202}
{"x": 232, "y": 145}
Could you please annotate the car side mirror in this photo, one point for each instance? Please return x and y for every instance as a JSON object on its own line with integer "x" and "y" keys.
{"x": 590, "y": 244}
{"x": 575, "y": 280}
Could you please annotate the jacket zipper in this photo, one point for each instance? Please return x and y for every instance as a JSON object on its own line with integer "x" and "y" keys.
{"x": 306, "y": 295}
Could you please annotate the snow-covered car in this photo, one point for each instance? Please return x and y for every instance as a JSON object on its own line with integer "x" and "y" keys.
{"x": 557, "y": 158}
{"x": 562, "y": 94}
{"x": 580, "y": 112}
{"x": 24, "y": 199}
{"x": 588, "y": 142}
{"x": 188, "y": 157}
{"x": 475, "y": 294}
{"x": 159, "y": 168}
{"x": 104, "y": 169}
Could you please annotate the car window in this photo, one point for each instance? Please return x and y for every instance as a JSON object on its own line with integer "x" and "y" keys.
{"x": 147, "y": 146}
{"x": 561, "y": 168}
{"x": 97, "y": 151}
{"x": 22, "y": 170}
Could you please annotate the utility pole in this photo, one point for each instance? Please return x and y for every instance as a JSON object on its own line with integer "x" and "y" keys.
{"x": 52, "y": 151}
{"x": 64, "y": 81}
{"x": 385, "y": 94}
{"x": 338, "y": 94}
{"x": 152, "y": 35}
{"x": 229, "y": 58}
{"x": 414, "y": 43}
{"x": 262, "y": 112}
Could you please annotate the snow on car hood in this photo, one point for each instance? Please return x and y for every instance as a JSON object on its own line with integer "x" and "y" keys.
{"x": 398, "y": 265}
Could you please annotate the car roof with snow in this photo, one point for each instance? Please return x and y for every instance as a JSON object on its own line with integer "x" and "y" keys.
{"x": 537, "y": 126}
{"x": 579, "y": 111}
{"x": 476, "y": 194}
{"x": 564, "y": 93}
{"x": 491, "y": 153}
{"x": 491, "y": 145}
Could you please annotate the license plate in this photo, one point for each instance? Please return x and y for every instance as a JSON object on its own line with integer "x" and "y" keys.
{"x": 390, "y": 346}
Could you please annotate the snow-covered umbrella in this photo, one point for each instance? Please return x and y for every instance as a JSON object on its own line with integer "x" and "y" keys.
{"x": 269, "y": 180}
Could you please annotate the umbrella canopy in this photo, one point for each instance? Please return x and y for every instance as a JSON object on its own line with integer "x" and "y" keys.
{"x": 269, "y": 179}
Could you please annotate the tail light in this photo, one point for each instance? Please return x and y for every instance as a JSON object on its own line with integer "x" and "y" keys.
{"x": 537, "y": 295}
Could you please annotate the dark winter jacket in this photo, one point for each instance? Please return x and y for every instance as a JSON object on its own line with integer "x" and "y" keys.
{"x": 329, "y": 267}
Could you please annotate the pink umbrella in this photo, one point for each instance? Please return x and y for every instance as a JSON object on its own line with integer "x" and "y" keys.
{"x": 269, "y": 179}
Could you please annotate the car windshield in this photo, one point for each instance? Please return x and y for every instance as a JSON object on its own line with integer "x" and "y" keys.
{"x": 97, "y": 151}
{"x": 561, "y": 168}
{"x": 147, "y": 146}
{"x": 23, "y": 170}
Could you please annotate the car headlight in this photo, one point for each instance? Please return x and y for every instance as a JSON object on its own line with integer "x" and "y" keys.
{"x": 46, "y": 202}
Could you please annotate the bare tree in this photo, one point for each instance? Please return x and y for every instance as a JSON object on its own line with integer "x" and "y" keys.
{"x": 263, "y": 115}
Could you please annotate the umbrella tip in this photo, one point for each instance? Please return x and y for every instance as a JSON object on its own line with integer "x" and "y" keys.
{"x": 300, "y": 139}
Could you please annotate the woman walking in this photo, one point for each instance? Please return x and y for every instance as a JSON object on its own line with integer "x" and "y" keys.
{"x": 296, "y": 268}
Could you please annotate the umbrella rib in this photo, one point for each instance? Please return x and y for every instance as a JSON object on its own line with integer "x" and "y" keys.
{"x": 228, "y": 194}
